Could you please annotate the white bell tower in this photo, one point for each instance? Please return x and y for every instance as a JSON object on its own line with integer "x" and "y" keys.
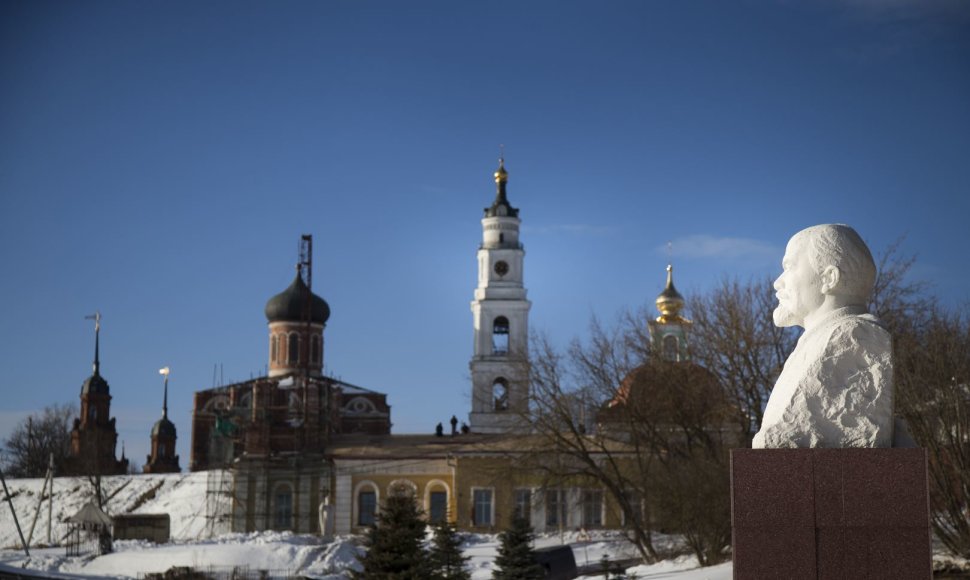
{"x": 499, "y": 365}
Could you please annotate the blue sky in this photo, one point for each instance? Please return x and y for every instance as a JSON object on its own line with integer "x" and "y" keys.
{"x": 159, "y": 162}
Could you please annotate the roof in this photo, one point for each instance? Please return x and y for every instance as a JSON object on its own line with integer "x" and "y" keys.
{"x": 346, "y": 387}
{"x": 418, "y": 446}
{"x": 390, "y": 447}
{"x": 90, "y": 514}
{"x": 163, "y": 427}
{"x": 501, "y": 206}
{"x": 95, "y": 384}
{"x": 289, "y": 304}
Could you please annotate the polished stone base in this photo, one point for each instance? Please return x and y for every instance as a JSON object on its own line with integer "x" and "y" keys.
{"x": 830, "y": 513}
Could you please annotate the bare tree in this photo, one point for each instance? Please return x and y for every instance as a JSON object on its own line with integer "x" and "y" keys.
{"x": 735, "y": 338}
{"x": 565, "y": 449}
{"x": 652, "y": 433}
{"x": 932, "y": 373}
{"x": 931, "y": 346}
{"x": 28, "y": 449}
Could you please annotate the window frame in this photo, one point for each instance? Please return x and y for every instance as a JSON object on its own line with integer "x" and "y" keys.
{"x": 522, "y": 509}
{"x": 490, "y": 491}
{"x": 293, "y": 348}
{"x": 363, "y": 514}
{"x": 599, "y": 507}
{"x": 501, "y": 346}
{"x": 283, "y": 489}
{"x": 560, "y": 515}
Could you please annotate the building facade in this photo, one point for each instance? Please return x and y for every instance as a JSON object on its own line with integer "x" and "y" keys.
{"x": 271, "y": 432}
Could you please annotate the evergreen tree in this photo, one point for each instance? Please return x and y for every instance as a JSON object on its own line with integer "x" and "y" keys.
{"x": 612, "y": 570}
{"x": 446, "y": 559}
{"x": 395, "y": 548}
{"x": 516, "y": 559}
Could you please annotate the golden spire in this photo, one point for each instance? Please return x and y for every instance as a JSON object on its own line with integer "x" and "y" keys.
{"x": 501, "y": 207}
{"x": 501, "y": 175}
{"x": 670, "y": 302}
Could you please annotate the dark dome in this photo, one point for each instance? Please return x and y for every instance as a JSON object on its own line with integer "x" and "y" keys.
{"x": 95, "y": 385}
{"x": 669, "y": 389}
{"x": 163, "y": 428}
{"x": 288, "y": 305}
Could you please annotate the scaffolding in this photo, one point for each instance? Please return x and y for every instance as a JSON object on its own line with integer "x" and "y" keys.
{"x": 219, "y": 500}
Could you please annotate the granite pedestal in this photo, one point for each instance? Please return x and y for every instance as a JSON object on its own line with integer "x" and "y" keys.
{"x": 830, "y": 514}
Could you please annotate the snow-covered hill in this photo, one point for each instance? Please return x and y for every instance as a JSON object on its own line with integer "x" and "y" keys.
{"x": 183, "y": 497}
{"x": 180, "y": 495}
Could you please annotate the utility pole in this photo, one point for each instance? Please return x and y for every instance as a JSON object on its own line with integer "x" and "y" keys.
{"x": 6, "y": 496}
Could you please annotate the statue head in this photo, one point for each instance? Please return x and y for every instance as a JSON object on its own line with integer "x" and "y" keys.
{"x": 825, "y": 267}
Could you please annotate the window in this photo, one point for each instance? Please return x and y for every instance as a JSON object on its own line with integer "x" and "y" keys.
{"x": 556, "y": 507}
{"x": 481, "y": 507}
{"x": 161, "y": 449}
{"x": 92, "y": 413}
{"x": 500, "y": 393}
{"x": 500, "y": 336}
{"x": 366, "y": 508}
{"x": 293, "y": 349}
{"x": 315, "y": 349}
{"x": 274, "y": 347}
{"x": 636, "y": 515}
{"x": 671, "y": 347}
{"x": 283, "y": 507}
{"x": 592, "y": 508}
{"x": 523, "y": 504}
{"x": 437, "y": 506}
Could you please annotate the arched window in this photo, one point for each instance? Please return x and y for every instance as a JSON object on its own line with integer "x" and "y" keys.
{"x": 92, "y": 413}
{"x": 283, "y": 506}
{"x": 500, "y": 335}
{"x": 671, "y": 347}
{"x": 315, "y": 349}
{"x": 366, "y": 504}
{"x": 161, "y": 449}
{"x": 500, "y": 392}
{"x": 274, "y": 347}
{"x": 293, "y": 349}
{"x": 436, "y": 501}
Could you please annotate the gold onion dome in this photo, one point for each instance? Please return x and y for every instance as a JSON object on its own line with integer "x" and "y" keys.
{"x": 670, "y": 302}
{"x": 501, "y": 175}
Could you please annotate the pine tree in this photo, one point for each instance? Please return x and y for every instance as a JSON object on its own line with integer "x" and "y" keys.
{"x": 516, "y": 559}
{"x": 446, "y": 559}
{"x": 395, "y": 548}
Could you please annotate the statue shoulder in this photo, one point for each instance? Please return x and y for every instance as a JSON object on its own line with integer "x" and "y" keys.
{"x": 864, "y": 329}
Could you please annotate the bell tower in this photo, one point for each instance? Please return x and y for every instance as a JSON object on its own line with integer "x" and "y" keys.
{"x": 500, "y": 312}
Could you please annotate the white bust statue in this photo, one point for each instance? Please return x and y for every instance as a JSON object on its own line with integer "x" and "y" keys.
{"x": 836, "y": 389}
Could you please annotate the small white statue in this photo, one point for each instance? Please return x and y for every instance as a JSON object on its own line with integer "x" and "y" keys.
{"x": 836, "y": 389}
{"x": 326, "y": 518}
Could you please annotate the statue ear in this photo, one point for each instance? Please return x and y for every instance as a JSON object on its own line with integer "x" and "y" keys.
{"x": 830, "y": 278}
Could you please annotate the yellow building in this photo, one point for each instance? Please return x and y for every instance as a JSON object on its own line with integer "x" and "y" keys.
{"x": 477, "y": 481}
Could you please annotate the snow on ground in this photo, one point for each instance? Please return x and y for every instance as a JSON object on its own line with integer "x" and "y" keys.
{"x": 286, "y": 553}
{"x": 183, "y": 497}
